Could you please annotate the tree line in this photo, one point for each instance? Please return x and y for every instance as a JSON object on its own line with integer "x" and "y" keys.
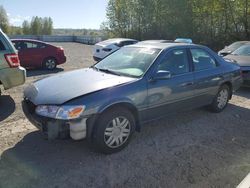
{"x": 210, "y": 22}
{"x": 37, "y": 25}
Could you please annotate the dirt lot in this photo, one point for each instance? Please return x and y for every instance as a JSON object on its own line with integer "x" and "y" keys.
{"x": 193, "y": 149}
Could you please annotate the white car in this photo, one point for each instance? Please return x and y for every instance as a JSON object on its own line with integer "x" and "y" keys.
{"x": 104, "y": 48}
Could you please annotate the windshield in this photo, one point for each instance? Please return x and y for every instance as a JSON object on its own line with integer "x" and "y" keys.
{"x": 132, "y": 61}
{"x": 243, "y": 50}
{"x": 235, "y": 45}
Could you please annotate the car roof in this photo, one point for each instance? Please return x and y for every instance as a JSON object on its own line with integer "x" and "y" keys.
{"x": 29, "y": 40}
{"x": 159, "y": 45}
{"x": 244, "y": 41}
{"x": 121, "y": 39}
{"x": 116, "y": 40}
{"x": 157, "y": 41}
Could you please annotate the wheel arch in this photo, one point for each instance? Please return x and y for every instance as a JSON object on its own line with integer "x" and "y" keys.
{"x": 230, "y": 85}
{"x": 92, "y": 120}
{"x": 47, "y": 57}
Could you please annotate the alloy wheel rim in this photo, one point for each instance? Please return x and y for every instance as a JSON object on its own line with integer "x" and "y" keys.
{"x": 117, "y": 132}
{"x": 50, "y": 64}
{"x": 222, "y": 98}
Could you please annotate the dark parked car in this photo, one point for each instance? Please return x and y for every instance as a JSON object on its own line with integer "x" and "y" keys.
{"x": 231, "y": 48}
{"x": 241, "y": 56}
{"x": 38, "y": 54}
{"x": 107, "y": 102}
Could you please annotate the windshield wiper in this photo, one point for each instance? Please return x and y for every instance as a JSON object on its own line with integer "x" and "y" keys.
{"x": 109, "y": 71}
{"x": 94, "y": 67}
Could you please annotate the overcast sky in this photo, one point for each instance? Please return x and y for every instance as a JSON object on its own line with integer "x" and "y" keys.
{"x": 65, "y": 13}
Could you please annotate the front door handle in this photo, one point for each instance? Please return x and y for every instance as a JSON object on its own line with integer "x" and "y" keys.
{"x": 187, "y": 84}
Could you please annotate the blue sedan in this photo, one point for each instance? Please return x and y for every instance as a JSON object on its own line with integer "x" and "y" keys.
{"x": 107, "y": 102}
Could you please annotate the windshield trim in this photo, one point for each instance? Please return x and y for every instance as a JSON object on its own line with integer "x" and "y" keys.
{"x": 128, "y": 75}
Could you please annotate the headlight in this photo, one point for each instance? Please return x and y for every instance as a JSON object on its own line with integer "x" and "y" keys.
{"x": 231, "y": 60}
{"x": 60, "y": 112}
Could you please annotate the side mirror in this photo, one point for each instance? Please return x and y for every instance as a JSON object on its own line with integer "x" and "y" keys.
{"x": 162, "y": 75}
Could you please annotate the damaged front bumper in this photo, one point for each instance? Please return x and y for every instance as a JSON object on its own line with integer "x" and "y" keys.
{"x": 55, "y": 129}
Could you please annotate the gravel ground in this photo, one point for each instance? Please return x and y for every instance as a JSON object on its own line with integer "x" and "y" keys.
{"x": 192, "y": 149}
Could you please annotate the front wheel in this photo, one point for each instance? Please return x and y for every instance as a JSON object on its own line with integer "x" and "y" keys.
{"x": 221, "y": 99}
{"x": 49, "y": 63}
{"x": 113, "y": 130}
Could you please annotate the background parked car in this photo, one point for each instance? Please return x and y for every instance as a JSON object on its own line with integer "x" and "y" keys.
{"x": 241, "y": 56}
{"x": 107, "y": 102}
{"x": 38, "y": 54}
{"x": 11, "y": 74}
{"x": 104, "y": 48}
{"x": 231, "y": 48}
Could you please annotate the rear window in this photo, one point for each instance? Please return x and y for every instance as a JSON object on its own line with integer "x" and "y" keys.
{"x": 2, "y": 47}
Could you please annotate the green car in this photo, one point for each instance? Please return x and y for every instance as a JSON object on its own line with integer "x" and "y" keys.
{"x": 11, "y": 73}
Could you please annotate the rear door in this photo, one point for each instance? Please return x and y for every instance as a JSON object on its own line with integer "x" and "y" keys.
{"x": 176, "y": 93}
{"x": 29, "y": 53}
{"x": 207, "y": 75}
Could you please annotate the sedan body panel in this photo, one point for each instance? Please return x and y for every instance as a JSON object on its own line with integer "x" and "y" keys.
{"x": 167, "y": 96}
{"x": 148, "y": 97}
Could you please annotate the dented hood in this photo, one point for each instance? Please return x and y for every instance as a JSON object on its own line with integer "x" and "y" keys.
{"x": 61, "y": 88}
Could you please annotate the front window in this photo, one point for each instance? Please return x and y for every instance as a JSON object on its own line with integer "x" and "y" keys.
{"x": 244, "y": 51}
{"x": 132, "y": 61}
{"x": 176, "y": 62}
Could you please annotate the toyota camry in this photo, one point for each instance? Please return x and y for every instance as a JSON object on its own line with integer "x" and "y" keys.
{"x": 108, "y": 102}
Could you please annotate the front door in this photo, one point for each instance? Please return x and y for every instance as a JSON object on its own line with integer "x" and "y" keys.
{"x": 174, "y": 93}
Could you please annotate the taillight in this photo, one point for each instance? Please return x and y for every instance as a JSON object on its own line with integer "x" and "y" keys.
{"x": 13, "y": 60}
{"x": 60, "y": 49}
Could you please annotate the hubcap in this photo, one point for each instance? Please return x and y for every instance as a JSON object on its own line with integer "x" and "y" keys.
{"x": 50, "y": 63}
{"x": 222, "y": 98}
{"x": 117, "y": 132}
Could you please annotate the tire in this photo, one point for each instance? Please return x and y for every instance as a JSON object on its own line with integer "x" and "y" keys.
{"x": 113, "y": 130}
{"x": 221, "y": 99}
{"x": 49, "y": 63}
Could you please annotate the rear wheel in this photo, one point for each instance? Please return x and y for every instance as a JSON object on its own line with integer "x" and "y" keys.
{"x": 221, "y": 99}
{"x": 113, "y": 130}
{"x": 49, "y": 63}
